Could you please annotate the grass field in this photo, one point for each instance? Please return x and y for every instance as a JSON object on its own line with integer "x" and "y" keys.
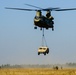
{"x": 37, "y": 71}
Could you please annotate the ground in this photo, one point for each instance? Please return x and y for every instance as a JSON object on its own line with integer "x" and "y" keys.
{"x": 37, "y": 71}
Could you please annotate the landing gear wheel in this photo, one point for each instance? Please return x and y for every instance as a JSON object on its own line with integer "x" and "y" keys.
{"x": 47, "y": 28}
{"x": 35, "y": 27}
{"x": 40, "y": 28}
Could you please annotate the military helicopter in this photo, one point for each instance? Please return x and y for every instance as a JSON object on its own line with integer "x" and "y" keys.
{"x": 41, "y": 20}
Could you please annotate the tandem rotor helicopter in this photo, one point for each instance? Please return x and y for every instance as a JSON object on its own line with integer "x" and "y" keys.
{"x": 41, "y": 20}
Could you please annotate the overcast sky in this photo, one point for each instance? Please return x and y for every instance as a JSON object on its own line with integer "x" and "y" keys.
{"x": 19, "y": 41}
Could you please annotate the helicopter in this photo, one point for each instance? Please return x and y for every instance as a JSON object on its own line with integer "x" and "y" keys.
{"x": 41, "y": 20}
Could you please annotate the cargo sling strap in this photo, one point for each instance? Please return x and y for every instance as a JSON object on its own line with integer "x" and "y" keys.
{"x": 44, "y": 43}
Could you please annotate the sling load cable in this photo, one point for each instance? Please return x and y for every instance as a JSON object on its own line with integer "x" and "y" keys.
{"x": 43, "y": 38}
{"x": 44, "y": 49}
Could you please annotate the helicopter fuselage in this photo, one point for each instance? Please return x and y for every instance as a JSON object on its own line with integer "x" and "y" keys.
{"x": 43, "y": 22}
{"x": 40, "y": 20}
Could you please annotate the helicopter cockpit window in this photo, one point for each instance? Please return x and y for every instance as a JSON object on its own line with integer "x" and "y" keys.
{"x": 37, "y": 17}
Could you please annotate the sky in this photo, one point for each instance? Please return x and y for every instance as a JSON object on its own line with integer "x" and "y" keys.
{"x": 19, "y": 41}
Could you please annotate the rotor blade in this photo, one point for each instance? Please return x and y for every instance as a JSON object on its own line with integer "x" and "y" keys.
{"x": 65, "y": 9}
{"x": 33, "y": 6}
{"x": 42, "y": 8}
{"x": 21, "y": 9}
{"x": 51, "y": 9}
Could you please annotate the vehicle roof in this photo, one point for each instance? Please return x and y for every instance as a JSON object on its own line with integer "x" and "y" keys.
{"x": 43, "y": 47}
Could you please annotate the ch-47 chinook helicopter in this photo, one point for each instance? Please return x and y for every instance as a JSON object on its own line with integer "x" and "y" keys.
{"x": 41, "y": 20}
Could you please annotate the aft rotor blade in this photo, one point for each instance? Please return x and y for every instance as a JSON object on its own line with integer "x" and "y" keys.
{"x": 65, "y": 9}
{"x": 33, "y": 6}
{"x": 21, "y": 9}
{"x": 51, "y": 9}
{"x": 42, "y": 8}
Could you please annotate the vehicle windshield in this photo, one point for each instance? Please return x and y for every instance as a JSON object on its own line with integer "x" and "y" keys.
{"x": 43, "y": 48}
{"x": 40, "y": 48}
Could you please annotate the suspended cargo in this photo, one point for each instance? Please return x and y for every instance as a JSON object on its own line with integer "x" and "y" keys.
{"x": 43, "y": 50}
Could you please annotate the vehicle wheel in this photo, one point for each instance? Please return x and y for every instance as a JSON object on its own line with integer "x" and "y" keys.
{"x": 38, "y": 53}
{"x": 44, "y": 53}
{"x": 47, "y": 52}
{"x": 35, "y": 27}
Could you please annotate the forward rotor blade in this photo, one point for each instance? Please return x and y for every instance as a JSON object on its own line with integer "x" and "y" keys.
{"x": 65, "y": 9}
{"x": 21, "y": 9}
{"x": 33, "y": 6}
